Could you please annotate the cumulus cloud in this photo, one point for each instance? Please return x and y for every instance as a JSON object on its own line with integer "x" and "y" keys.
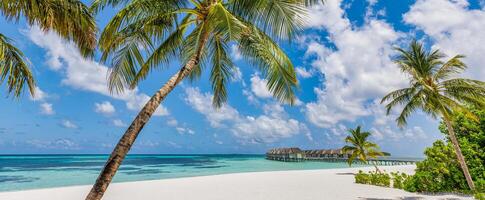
{"x": 46, "y": 109}
{"x": 303, "y": 73}
{"x": 462, "y": 31}
{"x": 357, "y": 70}
{"x": 235, "y": 52}
{"x": 61, "y": 143}
{"x": 105, "y": 108}
{"x": 273, "y": 125}
{"x": 259, "y": 88}
{"x": 119, "y": 123}
{"x": 68, "y": 124}
{"x": 39, "y": 95}
{"x": 83, "y": 74}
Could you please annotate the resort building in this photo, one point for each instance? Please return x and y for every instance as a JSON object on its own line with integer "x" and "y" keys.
{"x": 286, "y": 154}
{"x": 296, "y": 154}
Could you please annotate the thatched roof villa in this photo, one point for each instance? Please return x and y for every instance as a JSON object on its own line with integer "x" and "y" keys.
{"x": 296, "y": 154}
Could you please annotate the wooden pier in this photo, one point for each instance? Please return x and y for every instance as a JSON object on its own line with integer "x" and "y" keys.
{"x": 329, "y": 155}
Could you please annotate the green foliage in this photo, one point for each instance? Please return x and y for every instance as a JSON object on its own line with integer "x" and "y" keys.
{"x": 360, "y": 147}
{"x": 479, "y": 196}
{"x": 362, "y": 178}
{"x": 373, "y": 178}
{"x": 440, "y": 172}
{"x": 69, "y": 19}
{"x": 398, "y": 179}
{"x": 148, "y": 34}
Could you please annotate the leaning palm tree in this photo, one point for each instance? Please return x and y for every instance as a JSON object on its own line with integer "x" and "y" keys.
{"x": 149, "y": 34}
{"x": 361, "y": 148}
{"x": 71, "y": 19}
{"x": 434, "y": 91}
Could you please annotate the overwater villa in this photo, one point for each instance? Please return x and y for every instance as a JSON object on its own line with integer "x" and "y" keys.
{"x": 295, "y": 154}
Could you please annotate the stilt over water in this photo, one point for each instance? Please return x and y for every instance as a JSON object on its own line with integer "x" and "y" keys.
{"x": 295, "y": 154}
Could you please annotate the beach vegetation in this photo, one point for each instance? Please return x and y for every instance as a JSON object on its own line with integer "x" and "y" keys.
{"x": 71, "y": 20}
{"x": 149, "y": 35}
{"x": 440, "y": 170}
{"x": 434, "y": 89}
{"x": 360, "y": 147}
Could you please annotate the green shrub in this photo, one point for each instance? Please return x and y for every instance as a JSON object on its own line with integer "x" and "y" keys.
{"x": 479, "y": 196}
{"x": 362, "y": 178}
{"x": 380, "y": 179}
{"x": 440, "y": 171}
{"x": 373, "y": 178}
{"x": 398, "y": 179}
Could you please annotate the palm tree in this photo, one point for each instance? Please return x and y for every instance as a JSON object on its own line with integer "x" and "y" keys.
{"x": 71, "y": 19}
{"x": 148, "y": 34}
{"x": 433, "y": 90}
{"x": 360, "y": 147}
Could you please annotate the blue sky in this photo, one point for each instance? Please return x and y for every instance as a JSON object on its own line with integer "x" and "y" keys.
{"x": 344, "y": 65}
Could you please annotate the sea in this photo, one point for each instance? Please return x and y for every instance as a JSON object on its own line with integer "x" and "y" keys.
{"x": 25, "y": 172}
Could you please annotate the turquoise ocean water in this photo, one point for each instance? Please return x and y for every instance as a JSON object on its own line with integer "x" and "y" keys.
{"x": 22, "y": 172}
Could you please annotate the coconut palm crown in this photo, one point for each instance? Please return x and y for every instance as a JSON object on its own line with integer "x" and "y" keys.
{"x": 171, "y": 30}
{"x": 434, "y": 89}
{"x": 71, "y": 19}
{"x": 359, "y": 147}
{"x": 146, "y": 35}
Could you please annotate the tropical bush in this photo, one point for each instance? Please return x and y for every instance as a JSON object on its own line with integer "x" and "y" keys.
{"x": 440, "y": 172}
{"x": 381, "y": 179}
{"x": 398, "y": 179}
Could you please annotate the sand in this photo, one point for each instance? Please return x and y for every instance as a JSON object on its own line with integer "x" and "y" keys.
{"x": 276, "y": 185}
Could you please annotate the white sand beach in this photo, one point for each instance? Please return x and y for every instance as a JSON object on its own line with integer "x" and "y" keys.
{"x": 277, "y": 185}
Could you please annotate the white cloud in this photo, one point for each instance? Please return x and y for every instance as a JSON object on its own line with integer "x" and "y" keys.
{"x": 119, "y": 123}
{"x": 69, "y": 124}
{"x": 461, "y": 31}
{"x": 235, "y": 52}
{"x": 62, "y": 143}
{"x": 358, "y": 70}
{"x": 172, "y": 122}
{"x": 273, "y": 125}
{"x": 39, "y": 95}
{"x": 46, "y": 109}
{"x": 259, "y": 87}
{"x": 303, "y": 73}
{"x": 202, "y": 103}
{"x": 105, "y": 108}
{"x": 182, "y": 130}
{"x": 83, "y": 74}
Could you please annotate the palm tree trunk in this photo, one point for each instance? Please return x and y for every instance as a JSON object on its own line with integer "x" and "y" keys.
{"x": 459, "y": 155}
{"x": 127, "y": 140}
{"x": 377, "y": 169}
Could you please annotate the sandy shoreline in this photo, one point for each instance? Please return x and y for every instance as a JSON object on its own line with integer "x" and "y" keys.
{"x": 277, "y": 185}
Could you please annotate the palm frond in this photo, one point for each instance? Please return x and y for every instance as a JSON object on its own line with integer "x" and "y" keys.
{"x": 71, "y": 19}
{"x": 451, "y": 67}
{"x": 222, "y": 69}
{"x": 281, "y": 19}
{"x": 14, "y": 68}
{"x": 272, "y": 62}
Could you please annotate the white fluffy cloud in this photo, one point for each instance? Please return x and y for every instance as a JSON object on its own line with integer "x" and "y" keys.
{"x": 303, "y": 73}
{"x": 358, "y": 70}
{"x": 69, "y": 124}
{"x": 454, "y": 29}
{"x": 46, "y": 109}
{"x": 119, "y": 123}
{"x": 273, "y": 125}
{"x": 105, "y": 108}
{"x": 62, "y": 143}
{"x": 39, "y": 95}
{"x": 83, "y": 74}
{"x": 259, "y": 88}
